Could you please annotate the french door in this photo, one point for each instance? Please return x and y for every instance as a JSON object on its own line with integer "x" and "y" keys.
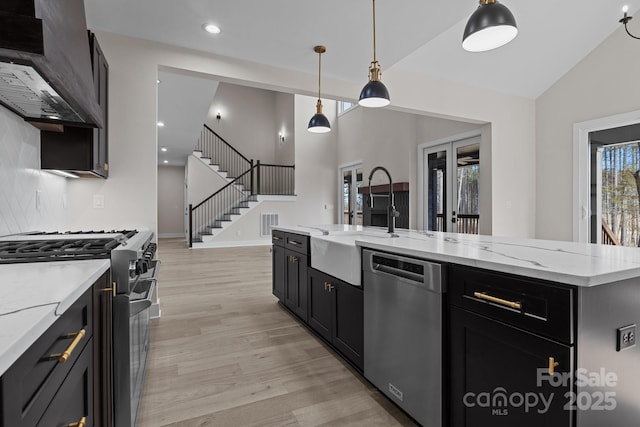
{"x": 451, "y": 178}
{"x": 350, "y": 199}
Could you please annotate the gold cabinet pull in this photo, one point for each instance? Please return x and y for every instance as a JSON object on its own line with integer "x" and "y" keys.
{"x": 112, "y": 289}
{"x": 293, "y": 258}
{"x": 276, "y": 238}
{"x": 506, "y": 303}
{"x": 81, "y": 423}
{"x": 552, "y": 365}
{"x": 64, "y": 356}
{"x": 331, "y": 287}
{"x": 294, "y": 243}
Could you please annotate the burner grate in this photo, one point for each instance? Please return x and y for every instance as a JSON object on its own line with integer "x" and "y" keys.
{"x": 55, "y": 250}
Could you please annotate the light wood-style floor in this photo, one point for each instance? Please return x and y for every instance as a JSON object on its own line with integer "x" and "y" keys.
{"x": 225, "y": 353}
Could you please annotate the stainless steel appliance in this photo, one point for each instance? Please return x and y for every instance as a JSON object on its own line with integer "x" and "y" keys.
{"x": 134, "y": 272}
{"x": 403, "y": 332}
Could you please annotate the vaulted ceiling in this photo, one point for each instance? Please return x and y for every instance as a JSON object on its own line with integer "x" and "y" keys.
{"x": 422, "y": 36}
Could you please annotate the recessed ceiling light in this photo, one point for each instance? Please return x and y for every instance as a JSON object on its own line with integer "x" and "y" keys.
{"x": 163, "y": 149}
{"x": 211, "y": 28}
{"x": 166, "y": 161}
{"x": 160, "y": 124}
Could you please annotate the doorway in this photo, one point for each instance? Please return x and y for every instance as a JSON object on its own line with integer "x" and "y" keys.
{"x": 615, "y": 186}
{"x": 350, "y": 198}
{"x": 451, "y": 185}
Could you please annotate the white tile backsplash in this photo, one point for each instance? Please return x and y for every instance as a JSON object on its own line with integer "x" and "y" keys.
{"x": 21, "y": 179}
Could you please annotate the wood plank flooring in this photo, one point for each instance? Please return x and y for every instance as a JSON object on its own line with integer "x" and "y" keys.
{"x": 225, "y": 353}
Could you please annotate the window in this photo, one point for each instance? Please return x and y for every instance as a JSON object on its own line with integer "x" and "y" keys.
{"x": 344, "y": 106}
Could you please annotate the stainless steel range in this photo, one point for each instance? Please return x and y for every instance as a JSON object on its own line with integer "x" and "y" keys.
{"x": 134, "y": 272}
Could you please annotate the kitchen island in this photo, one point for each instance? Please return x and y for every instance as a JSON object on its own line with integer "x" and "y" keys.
{"x": 552, "y": 322}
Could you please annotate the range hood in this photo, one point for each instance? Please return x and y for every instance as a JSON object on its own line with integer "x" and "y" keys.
{"x": 45, "y": 63}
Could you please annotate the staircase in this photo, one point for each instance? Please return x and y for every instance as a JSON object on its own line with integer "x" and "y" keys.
{"x": 247, "y": 184}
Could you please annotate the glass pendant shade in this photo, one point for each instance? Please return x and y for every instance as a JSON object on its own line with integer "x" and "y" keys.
{"x": 492, "y": 25}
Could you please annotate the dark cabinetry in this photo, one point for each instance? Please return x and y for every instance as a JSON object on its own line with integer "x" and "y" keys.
{"x": 82, "y": 150}
{"x": 103, "y": 350}
{"x": 290, "y": 263}
{"x": 297, "y": 262}
{"x": 377, "y": 215}
{"x": 34, "y": 382}
{"x": 65, "y": 376}
{"x": 508, "y": 336}
{"x": 336, "y": 314}
{"x": 278, "y": 266}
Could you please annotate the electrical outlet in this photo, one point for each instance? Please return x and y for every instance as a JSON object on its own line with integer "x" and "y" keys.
{"x": 626, "y": 337}
{"x": 98, "y": 201}
{"x": 38, "y": 199}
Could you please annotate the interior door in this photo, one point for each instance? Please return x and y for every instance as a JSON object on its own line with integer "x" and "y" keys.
{"x": 350, "y": 199}
{"x": 452, "y": 176}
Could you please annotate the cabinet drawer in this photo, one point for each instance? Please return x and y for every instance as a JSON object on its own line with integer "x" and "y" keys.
{"x": 28, "y": 386}
{"x": 277, "y": 237}
{"x": 297, "y": 242}
{"x": 74, "y": 400}
{"x": 541, "y": 307}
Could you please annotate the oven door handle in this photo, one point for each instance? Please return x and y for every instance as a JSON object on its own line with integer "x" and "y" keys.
{"x": 139, "y": 305}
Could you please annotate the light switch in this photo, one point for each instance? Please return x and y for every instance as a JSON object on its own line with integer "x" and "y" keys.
{"x": 98, "y": 201}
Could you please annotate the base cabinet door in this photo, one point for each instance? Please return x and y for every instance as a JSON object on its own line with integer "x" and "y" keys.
{"x": 320, "y": 304}
{"x": 336, "y": 312}
{"x": 278, "y": 271}
{"x": 296, "y": 283}
{"x": 348, "y": 324}
{"x": 500, "y": 375}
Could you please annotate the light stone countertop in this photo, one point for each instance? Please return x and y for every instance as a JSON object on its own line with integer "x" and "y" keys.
{"x": 571, "y": 263}
{"x": 34, "y": 295}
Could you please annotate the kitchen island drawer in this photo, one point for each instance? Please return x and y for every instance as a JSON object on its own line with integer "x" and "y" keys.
{"x": 277, "y": 237}
{"x": 29, "y": 385}
{"x": 544, "y": 308}
{"x": 297, "y": 242}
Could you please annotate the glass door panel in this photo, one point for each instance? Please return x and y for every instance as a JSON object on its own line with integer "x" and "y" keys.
{"x": 467, "y": 187}
{"x": 351, "y": 201}
{"x": 452, "y": 186}
{"x": 436, "y": 189}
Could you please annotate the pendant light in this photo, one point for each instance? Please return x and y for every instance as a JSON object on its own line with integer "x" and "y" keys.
{"x": 319, "y": 122}
{"x": 374, "y": 94}
{"x": 492, "y": 25}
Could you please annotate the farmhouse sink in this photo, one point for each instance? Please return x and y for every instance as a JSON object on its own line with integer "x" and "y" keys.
{"x": 337, "y": 254}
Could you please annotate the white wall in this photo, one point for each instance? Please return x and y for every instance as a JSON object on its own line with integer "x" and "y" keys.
{"x": 133, "y": 102}
{"x": 171, "y": 201}
{"x": 202, "y": 182}
{"x": 21, "y": 179}
{"x": 248, "y": 120}
{"x": 384, "y": 137}
{"x": 316, "y": 173}
{"x": 285, "y": 124}
{"x": 604, "y": 83}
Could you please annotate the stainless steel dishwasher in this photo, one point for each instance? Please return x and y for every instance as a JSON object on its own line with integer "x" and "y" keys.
{"x": 403, "y": 332}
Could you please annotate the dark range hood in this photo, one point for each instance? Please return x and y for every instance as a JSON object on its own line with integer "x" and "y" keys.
{"x": 45, "y": 63}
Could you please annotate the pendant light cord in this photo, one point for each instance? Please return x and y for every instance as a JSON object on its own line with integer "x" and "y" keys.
{"x": 319, "y": 69}
{"x": 374, "y": 31}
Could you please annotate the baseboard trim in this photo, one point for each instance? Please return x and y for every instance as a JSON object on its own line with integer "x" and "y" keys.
{"x": 231, "y": 243}
{"x": 169, "y": 235}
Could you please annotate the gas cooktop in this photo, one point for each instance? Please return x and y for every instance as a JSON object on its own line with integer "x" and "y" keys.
{"x": 55, "y": 246}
